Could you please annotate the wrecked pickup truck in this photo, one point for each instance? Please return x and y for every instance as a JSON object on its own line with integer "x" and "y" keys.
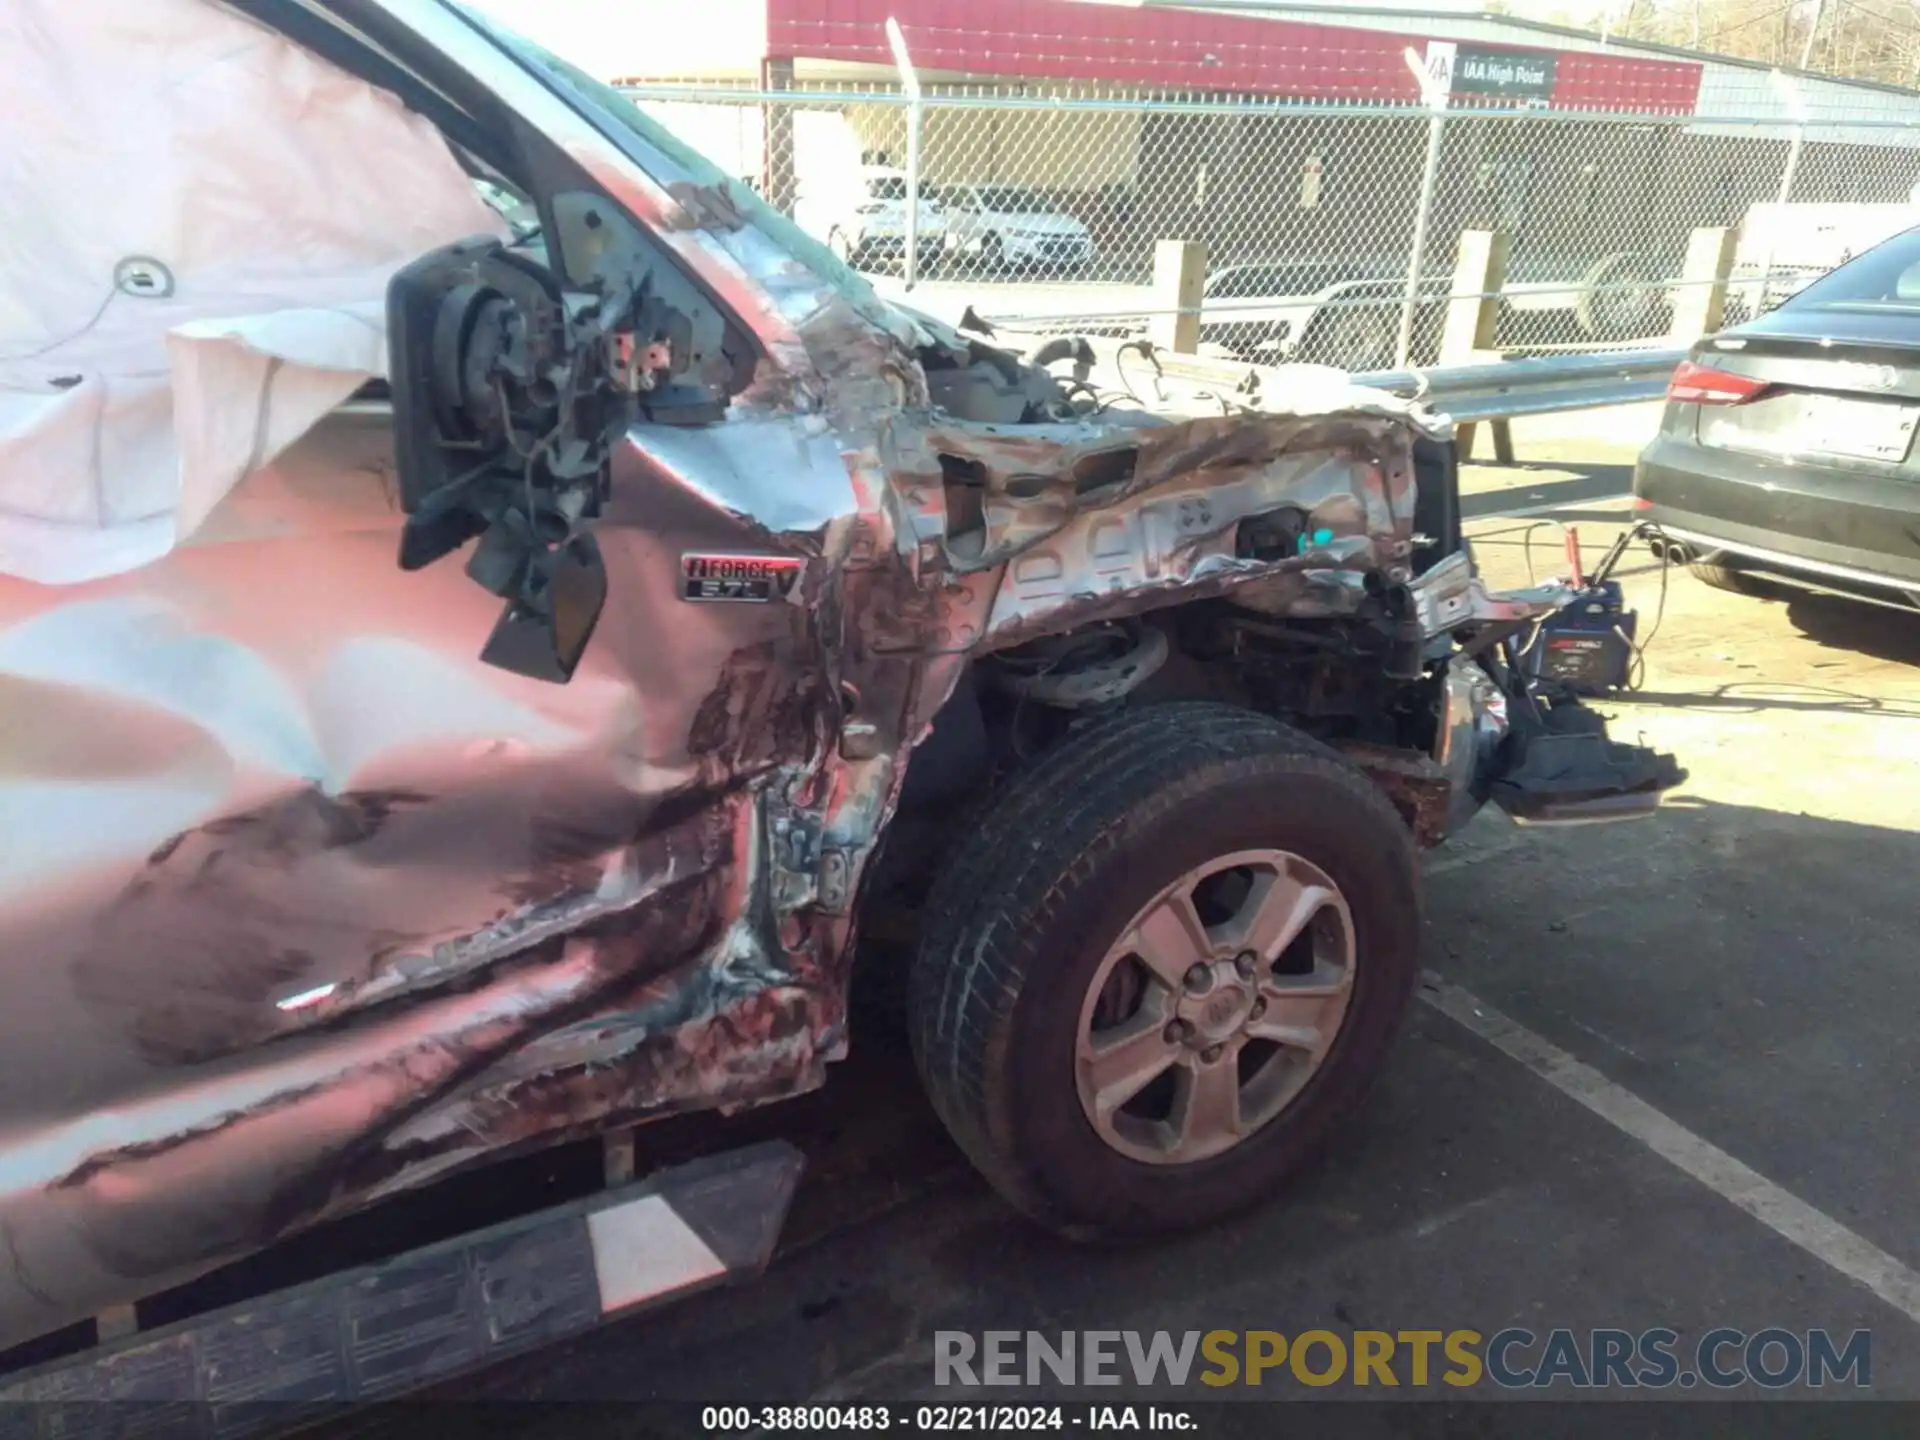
{"x": 532, "y": 648}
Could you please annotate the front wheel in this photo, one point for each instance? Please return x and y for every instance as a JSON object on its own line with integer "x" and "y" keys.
{"x": 1164, "y": 968}
{"x": 1619, "y": 300}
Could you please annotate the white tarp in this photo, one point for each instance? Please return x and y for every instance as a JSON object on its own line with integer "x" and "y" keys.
{"x": 277, "y": 192}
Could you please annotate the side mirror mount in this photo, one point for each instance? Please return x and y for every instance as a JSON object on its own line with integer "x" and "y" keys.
{"x": 544, "y": 630}
{"x": 509, "y": 393}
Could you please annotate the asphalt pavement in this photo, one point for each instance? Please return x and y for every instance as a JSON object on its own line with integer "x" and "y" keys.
{"x": 1663, "y": 1074}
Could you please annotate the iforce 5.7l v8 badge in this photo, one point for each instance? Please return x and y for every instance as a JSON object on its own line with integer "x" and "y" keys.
{"x": 755, "y": 578}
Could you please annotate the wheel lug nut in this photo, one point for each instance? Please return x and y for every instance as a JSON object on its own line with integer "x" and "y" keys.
{"x": 1176, "y": 1032}
{"x": 1199, "y": 977}
{"x": 1246, "y": 962}
{"x": 1210, "y": 1054}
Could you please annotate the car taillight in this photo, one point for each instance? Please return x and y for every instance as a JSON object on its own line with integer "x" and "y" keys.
{"x": 1703, "y": 385}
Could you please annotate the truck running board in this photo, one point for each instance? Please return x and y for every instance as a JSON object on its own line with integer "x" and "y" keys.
{"x": 294, "y": 1357}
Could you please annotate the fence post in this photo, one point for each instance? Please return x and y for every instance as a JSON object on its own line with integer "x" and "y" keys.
{"x": 910, "y": 83}
{"x": 1179, "y": 284}
{"x": 1434, "y": 92}
{"x": 1422, "y": 216}
{"x": 1786, "y": 194}
{"x": 1793, "y": 163}
{"x": 913, "y": 191}
{"x": 779, "y": 181}
{"x": 1697, "y": 310}
{"x": 1797, "y": 110}
{"x": 1473, "y": 315}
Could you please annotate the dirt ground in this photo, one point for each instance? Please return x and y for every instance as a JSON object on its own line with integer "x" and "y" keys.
{"x": 1711, "y": 1121}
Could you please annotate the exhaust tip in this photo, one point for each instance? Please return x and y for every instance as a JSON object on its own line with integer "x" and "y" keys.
{"x": 1672, "y": 552}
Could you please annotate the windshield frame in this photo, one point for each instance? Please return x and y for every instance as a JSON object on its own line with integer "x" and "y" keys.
{"x": 656, "y": 150}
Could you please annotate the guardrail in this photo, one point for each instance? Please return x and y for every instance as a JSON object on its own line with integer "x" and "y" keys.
{"x": 1444, "y": 321}
{"x": 1494, "y": 391}
{"x": 1485, "y": 389}
{"x": 1545, "y": 385}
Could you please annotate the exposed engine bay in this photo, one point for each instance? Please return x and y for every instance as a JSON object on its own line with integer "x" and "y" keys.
{"x": 1414, "y": 672}
{"x": 544, "y": 382}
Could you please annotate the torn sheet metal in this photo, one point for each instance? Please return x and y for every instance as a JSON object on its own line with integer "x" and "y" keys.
{"x": 1450, "y": 596}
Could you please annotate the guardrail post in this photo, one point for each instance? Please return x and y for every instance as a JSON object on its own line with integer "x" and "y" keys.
{"x": 1473, "y": 315}
{"x": 1702, "y": 301}
{"x": 1179, "y": 284}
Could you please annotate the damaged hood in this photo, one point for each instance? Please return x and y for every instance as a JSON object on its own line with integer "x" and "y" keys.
{"x": 192, "y": 274}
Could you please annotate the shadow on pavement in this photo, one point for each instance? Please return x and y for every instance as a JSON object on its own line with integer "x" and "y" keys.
{"x": 1749, "y": 697}
{"x": 1858, "y": 625}
{"x": 1594, "y": 482}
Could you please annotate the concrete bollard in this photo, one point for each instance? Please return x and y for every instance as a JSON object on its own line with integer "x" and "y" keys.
{"x": 1179, "y": 284}
{"x": 1700, "y": 303}
{"x": 1473, "y": 316}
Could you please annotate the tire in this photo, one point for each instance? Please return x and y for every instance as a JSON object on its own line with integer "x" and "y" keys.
{"x": 1618, "y": 300}
{"x": 993, "y": 255}
{"x": 1725, "y": 577}
{"x": 1033, "y": 906}
{"x": 1357, "y": 338}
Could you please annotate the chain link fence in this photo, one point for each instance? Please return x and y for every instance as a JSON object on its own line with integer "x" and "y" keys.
{"x": 1043, "y": 208}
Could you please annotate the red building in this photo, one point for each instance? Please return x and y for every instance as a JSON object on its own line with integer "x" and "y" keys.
{"x": 1291, "y": 134}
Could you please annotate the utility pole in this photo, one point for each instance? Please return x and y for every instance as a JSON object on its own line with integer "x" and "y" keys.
{"x": 1813, "y": 30}
{"x": 1626, "y": 19}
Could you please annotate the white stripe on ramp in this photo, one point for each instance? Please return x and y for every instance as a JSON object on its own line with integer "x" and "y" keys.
{"x": 1788, "y": 1216}
{"x": 643, "y": 1249}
